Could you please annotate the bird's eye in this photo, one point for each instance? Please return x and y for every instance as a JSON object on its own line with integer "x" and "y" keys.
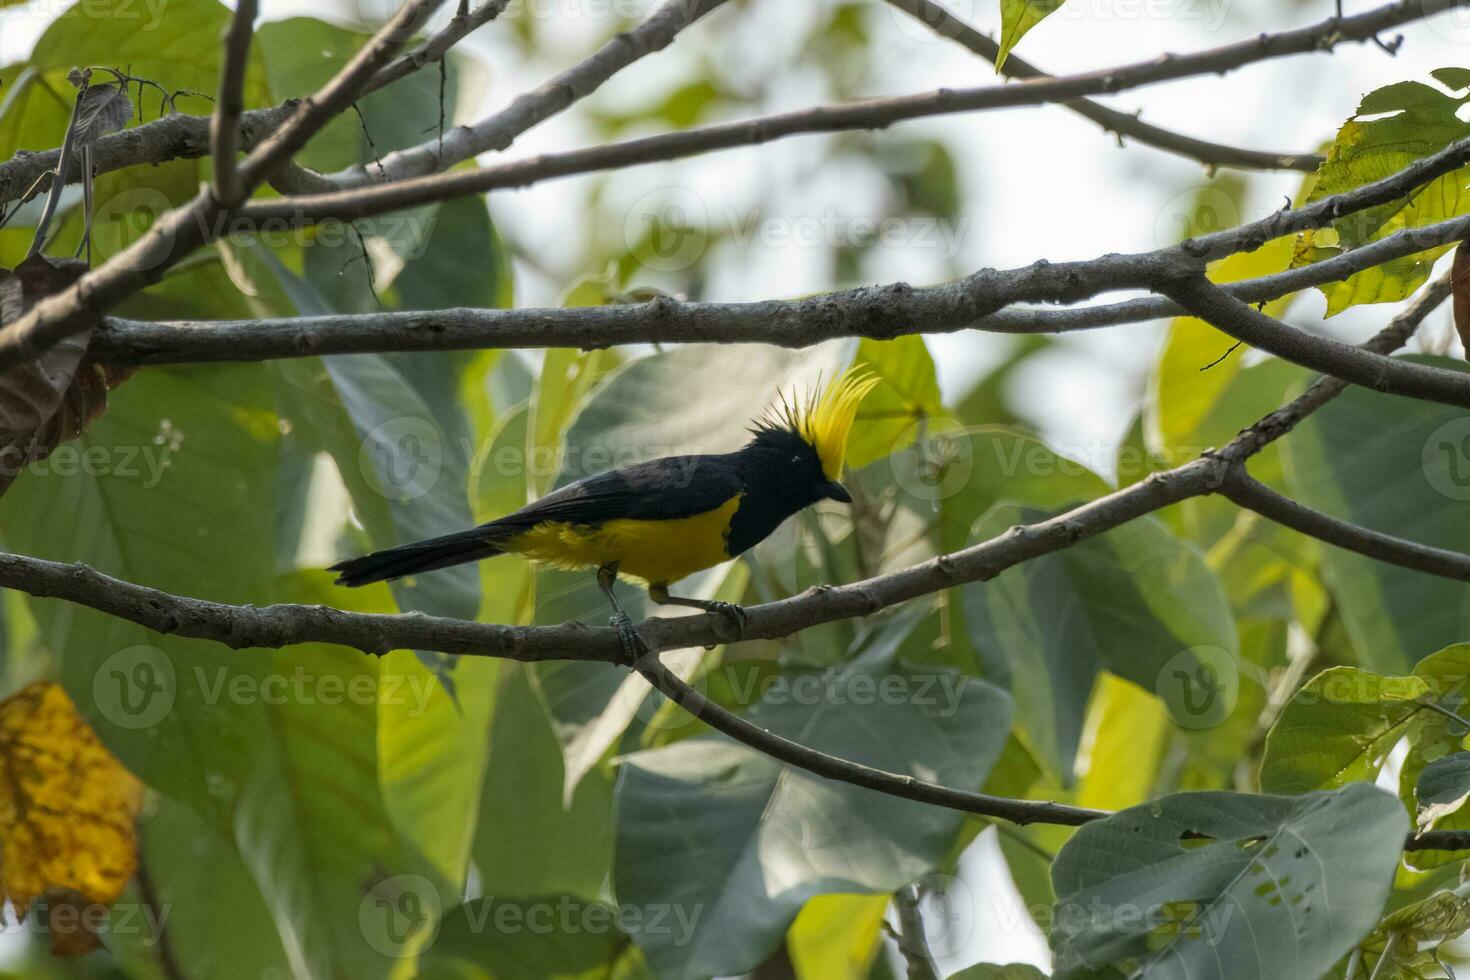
{"x": 796, "y": 460}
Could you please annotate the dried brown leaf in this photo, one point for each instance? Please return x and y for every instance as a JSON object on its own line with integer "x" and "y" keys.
{"x": 68, "y": 815}
{"x": 52, "y": 399}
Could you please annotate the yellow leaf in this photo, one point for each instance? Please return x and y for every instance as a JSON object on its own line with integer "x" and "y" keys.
{"x": 67, "y": 811}
{"x": 837, "y": 937}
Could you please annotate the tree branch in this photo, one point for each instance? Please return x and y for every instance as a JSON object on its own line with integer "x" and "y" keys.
{"x": 1210, "y": 303}
{"x": 344, "y": 88}
{"x": 499, "y": 131}
{"x": 1400, "y": 244}
{"x": 1121, "y": 124}
{"x": 224, "y": 127}
{"x": 306, "y": 210}
{"x": 884, "y": 312}
{"x": 1241, "y": 488}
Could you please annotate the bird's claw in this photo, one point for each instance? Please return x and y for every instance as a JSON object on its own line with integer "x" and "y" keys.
{"x": 733, "y": 614}
{"x": 633, "y": 647}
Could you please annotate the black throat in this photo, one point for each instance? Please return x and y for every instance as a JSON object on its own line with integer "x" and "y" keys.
{"x": 775, "y": 487}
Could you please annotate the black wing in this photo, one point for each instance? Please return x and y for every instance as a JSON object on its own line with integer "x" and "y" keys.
{"x": 662, "y": 489}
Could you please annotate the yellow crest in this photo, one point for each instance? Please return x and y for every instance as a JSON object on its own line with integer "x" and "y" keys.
{"x": 826, "y": 418}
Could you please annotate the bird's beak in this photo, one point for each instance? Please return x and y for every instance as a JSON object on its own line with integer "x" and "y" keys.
{"x": 832, "y": 490}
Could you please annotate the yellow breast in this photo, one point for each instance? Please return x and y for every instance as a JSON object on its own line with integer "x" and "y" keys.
{"x": 654, "y": 551}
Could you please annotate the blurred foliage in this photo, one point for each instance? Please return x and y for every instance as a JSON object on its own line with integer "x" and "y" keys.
{"x": 317, "y": 812}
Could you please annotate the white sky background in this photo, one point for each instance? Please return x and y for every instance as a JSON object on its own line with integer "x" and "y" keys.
{"x": 1036, "y": 182}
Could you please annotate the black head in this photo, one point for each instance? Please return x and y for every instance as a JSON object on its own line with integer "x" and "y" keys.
{"x": 790, "y": 467}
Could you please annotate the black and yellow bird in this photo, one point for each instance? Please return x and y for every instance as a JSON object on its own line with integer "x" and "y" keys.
{"x": 661, "y": 520}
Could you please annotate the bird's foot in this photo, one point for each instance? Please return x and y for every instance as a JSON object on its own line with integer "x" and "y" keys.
{"x": 732, "y": 613}
{"x": 633, "y": 646}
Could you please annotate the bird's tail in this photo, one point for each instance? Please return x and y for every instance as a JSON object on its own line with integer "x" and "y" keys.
{"x": 420, "y": 556}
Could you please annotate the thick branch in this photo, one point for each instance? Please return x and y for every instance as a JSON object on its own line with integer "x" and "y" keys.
{"x": 883, "y": 312}
{"x": 229, "y": 103}
{"x": 1210, "y": 303}
{"x": 1263, "y": 289}
{"x": 1121, "y": 124}
{"x": 1251, "y": 494}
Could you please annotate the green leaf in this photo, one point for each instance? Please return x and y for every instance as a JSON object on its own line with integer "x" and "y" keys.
{"x": 837, "y": 937}
{"x": 301, "y": 54}
{"x": 1394, "y": 126}
{"x": 1342, "y": 724}
{"x": 571, "y": 848}
{"x": 1416, "y": 931}
{"x": 1338, "y": 729}
{"x": 769, "y": 836}
{"x": 893, "y": 412}
{"x": 1285, "y": 888}
{"x": 1398, "y": 466}
{"x": 1016, "y": 18}
{"x": 991, "y": 971}
{"x": 1137, "y": 601}
{"x": 551, "y": 937}
{"x": 1442, "y": 786}
{"x": 188, "y": 856}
